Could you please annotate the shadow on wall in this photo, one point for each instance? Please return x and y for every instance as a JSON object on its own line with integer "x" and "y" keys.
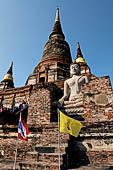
{"x": 56, "y": 94}
{"x": 12, "y": 118}
{"x": 74, "y": 157}
{"x": 110, "y": 168}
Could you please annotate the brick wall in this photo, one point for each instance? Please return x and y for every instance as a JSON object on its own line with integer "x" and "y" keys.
{"x": 92, "y": 147}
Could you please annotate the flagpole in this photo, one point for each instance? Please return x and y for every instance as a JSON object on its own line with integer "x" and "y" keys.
{"x": 58, "y": 138}
{"x": 14, "y": 167}
{"x": 16, "y": 150}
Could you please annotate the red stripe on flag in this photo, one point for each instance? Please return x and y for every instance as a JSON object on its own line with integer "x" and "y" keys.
{"x": 19, "y": 135}
{"x": 27, "y": 131}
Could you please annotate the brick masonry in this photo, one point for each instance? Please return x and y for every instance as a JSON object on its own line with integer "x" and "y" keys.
{"x": 93, "y": 147}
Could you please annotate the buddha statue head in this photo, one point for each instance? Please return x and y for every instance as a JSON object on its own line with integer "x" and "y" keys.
{"x": 75, "y": 68}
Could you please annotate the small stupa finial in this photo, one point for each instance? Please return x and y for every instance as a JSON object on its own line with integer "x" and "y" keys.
{"x": 78, "y": 46}
{"x": 57, "y": 29}
{"x": 10, "y": 69}
{"x": 57, "y": 15}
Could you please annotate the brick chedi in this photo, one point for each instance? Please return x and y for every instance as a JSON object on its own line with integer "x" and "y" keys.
{"x": 56, "y": 57}
{"x": 92, "y": 149}
{"x": 7, "y": 81}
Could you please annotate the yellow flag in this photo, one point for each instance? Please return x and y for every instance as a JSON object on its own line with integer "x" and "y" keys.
{"x": 69, "y": 125}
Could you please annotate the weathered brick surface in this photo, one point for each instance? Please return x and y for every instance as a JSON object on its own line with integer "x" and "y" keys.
{"x": 95, "y": 113}
{"x": 93, "y": 148}
{"x": 40, "y": 107}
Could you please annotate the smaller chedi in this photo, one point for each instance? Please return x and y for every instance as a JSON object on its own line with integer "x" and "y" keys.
{"x": 7, "y": 81}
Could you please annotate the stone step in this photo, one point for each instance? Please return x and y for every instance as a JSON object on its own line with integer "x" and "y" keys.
{"x": 7, "y": 164}
{"x": 50, "y": 157}
{"x": 37, "y": 166}
{"x": 47, "y": 141}
{"x": 44, "y": 157}
{"x": 52, "y": 145}
{"x": 50, "y": 149}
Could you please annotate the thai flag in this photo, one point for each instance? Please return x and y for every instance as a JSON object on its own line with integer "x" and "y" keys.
{"x": 22, "y": 129}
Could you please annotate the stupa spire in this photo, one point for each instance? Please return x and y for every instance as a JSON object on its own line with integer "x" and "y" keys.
{"x": 79, "y": 56}
{"x": 57, "y": 15}
{"x": 10, "y": 69}
{"x": 79, "y": 53}
{"x": 57, "y": 30}
{"x": 8, "y": 78}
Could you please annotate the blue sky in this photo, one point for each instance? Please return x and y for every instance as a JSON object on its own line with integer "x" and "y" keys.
{"x": 25, "y": 26}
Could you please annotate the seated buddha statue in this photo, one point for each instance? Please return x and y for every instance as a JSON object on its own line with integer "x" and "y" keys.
{"x": 72, "y": 87}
